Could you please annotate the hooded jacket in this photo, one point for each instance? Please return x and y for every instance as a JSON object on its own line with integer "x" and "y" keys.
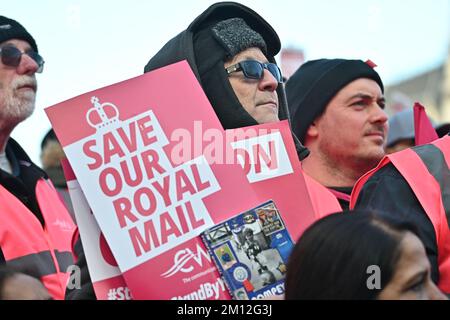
{"x": 206, "y": 58}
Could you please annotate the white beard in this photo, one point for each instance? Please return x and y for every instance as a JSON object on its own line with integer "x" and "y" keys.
{"x": 18, "y": 106}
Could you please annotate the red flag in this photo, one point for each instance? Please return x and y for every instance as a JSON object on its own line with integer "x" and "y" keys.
{"x": 424, "y": 131}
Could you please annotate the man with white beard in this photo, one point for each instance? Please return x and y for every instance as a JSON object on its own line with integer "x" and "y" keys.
{"x": 35, "y": 230}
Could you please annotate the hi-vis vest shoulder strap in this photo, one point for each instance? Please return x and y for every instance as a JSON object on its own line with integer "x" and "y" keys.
{"x": 426, "y": 169}
{"x": 324, "y": 202}
{"x": 26, "y": 245}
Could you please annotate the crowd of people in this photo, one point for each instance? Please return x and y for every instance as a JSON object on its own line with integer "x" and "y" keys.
{"x": 372, "y": 209}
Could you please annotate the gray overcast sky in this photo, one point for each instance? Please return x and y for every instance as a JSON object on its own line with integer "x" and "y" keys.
{"x": 91, "y": 44}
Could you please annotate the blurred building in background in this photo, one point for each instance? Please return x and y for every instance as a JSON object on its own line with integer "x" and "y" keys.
{"x": 431, "y": 89}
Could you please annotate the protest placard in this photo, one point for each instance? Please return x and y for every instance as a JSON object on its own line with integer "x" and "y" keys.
{"x": 105, "y": 274}
{"x": 157, "y": 169}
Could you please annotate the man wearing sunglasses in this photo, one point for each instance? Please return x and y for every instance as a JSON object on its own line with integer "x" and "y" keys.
{"x": 36, "y": 229}
{"x": 337, "y": 108}
{"x": 231, "y": 50}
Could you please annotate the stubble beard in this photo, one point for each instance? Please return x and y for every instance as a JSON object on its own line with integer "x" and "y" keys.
{"x": 357, "y": 161}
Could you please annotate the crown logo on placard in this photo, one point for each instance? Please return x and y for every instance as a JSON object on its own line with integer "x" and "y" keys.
{"x": 102, "y": 115}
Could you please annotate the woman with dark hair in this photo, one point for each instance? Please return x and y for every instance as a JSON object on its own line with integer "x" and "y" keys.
{"x": 358, "y": 255}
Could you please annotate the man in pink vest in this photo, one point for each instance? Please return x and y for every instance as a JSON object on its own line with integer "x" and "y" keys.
{"x": 414, "y": 186}
{"x": 337, "y": 112}
{"x": 35, "y": 230}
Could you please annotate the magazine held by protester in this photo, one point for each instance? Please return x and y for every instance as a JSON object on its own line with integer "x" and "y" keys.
{"x": 251, "y": 251}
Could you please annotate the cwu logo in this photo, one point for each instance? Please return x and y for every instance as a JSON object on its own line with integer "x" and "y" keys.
{"x": 185, "y": 261}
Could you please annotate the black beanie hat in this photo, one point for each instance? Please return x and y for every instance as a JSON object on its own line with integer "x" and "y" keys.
{"x": 11, "y": 29}
{"x": 316, "y": 82}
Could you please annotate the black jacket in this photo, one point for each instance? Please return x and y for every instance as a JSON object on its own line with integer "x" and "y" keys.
{"x": 388, "y": 193}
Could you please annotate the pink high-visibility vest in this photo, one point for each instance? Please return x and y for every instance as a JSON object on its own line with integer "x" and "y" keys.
{"x": 323, "y": 200}
{"x": 426, "y": 170}
{"x": 26, "y": 245}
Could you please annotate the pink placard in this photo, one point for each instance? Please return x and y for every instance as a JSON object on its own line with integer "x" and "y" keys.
{"x": 157, "y": 169}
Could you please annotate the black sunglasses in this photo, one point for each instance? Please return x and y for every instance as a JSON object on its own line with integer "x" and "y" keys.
{"x": 253, "y": 69}
{"x": 11, "y": 57}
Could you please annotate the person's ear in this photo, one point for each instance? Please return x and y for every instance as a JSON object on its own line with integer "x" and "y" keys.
{"x": 312, "y": 131}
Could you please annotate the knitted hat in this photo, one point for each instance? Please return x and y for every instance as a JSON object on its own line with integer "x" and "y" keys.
{"x": 214, "y": 44}
{"x": 11, "y": 29}
{"x": 316, "y": 82}
{"x": 236, "y": 36}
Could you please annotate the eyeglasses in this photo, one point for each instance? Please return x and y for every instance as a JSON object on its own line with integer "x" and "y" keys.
{"x": 11, "y": 56}
{"x": 253, "y": 69}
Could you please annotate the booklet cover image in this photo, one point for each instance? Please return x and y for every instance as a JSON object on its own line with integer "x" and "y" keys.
{"x": 251, "y": 252}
